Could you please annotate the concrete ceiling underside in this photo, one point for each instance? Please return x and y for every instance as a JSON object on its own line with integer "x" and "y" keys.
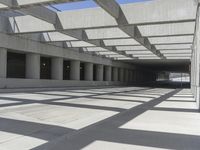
{"x": 147, "y": 33}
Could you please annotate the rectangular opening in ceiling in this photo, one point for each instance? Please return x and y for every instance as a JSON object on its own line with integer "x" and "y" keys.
{"x": 85, "y": 4}
{"x": 73, "y": 5}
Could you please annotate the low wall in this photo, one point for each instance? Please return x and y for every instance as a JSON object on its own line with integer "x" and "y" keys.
{"x": 32, "y": 83}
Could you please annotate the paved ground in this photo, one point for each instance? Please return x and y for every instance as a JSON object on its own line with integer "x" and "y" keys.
{"x": 118, "y": 118}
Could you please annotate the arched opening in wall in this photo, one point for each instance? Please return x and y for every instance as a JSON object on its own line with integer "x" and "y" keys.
{"x": 16, "y": 64}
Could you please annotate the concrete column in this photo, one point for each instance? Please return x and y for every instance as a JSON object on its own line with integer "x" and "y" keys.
{"x": 75, "y": 70}
{"x": 131, "y": 75}
{"x": 108, "y": 73}
{"x": 57, "y": 68}
{"x": 99, "y": 73}
{"x": 126, "y": 75}
{"x": 33, "y": 66}
{"x": 134, "y": 76}
{"x": 3, "y": 63}
{"x": 121, "y": 75}
{"x": 88, "y": 72}
{"x": 141, "y": 77}
{"x": 124, "y": 70}
{"x": 195, "y": 71}
{"x": 115, "y": 75}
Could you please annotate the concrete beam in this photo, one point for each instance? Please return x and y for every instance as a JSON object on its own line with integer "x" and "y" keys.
{"x": 8, "y": 3}
{"x": 81, "y": 35}
{"x": 113, "y": 8}
{"x": 51, "y": 17}
{"x": 41, "y": 12}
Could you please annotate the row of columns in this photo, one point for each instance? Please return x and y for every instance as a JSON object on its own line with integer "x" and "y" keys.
{"x": 33, "y": 69}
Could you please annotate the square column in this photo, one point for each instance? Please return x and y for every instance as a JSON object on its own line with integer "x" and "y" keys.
{"x": 115, "y": 75}
{"x": 131, "y": 76}
{"x": 196, "y": 59}
{"x": 88, "y": 72}
{"x": 108, "y": 73}
{"x": 75, "y": 70}
{"x": 57, "y": 68}
{"x": 121, "y": 79}
{"x": 99, "y": 73}
{"x": 33, "y": 66}
{"x": 126, "y": 74}
{"x": 3, "y": 63}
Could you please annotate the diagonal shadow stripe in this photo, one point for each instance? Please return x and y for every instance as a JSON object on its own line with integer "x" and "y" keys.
{"x": 32, "y": 129}
{"x": 91, "y": 133}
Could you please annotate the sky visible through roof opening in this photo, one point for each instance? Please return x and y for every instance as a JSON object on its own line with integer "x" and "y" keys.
{"x": 85, "y": 4}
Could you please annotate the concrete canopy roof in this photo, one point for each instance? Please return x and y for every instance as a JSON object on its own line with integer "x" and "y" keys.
{"x": 113, "y": 30}
{"x": 106, "y": 33}
{"x": 3, "y": 6}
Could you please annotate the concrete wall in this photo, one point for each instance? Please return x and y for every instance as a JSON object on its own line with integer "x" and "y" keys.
{"x": 195, "y": 62}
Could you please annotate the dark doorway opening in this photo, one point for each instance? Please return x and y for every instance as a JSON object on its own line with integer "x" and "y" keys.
{"x": 66, "y": 70}
{"x": 16, "y": 64}
{"x": 119, "y": 75}
{"x": 104, "y": 73}
{"x": 82, "y": 71}
{"x": 45, "y": 68}
{"x": 95, "y": 72}
{"x": 112, "y": 74}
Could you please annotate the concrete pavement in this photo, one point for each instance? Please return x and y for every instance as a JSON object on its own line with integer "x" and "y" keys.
{"x": 105, "y": 118}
